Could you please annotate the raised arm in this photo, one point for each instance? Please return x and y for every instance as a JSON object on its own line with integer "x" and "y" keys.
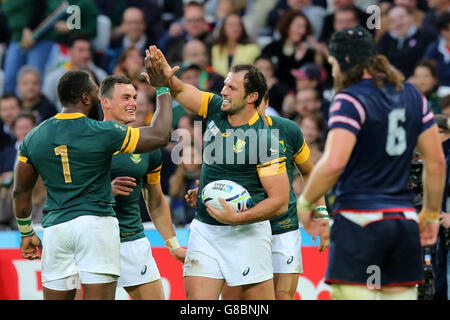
{"x": 187, "y": 95}
{"x": 158, "y": 133}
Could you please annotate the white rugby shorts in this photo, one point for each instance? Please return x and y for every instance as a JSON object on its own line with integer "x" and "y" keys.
{"x": 85, "y": 245}
{"x": 287, "y": 253}
{"x": 238, "y": 254}
{"x": 137, "y": 265}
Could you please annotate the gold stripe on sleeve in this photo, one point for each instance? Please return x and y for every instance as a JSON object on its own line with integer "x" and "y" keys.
{"x": 154, "y": 177}
{"x": 22, "y": 159}
{"x": 303, "y": 154}
{"x": 126, "y": 140}
{"x": 272, "y": 168}
{"x": 134, "y": 138}
{"x": 206, "y": 98}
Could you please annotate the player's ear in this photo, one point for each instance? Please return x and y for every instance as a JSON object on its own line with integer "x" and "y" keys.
{"x": 105, "y": 102}
{"x": 85, "y": 98}
{"x": 252, "y": 97}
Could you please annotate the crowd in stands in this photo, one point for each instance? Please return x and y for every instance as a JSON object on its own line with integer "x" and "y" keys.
{"x": 286, "y": 39}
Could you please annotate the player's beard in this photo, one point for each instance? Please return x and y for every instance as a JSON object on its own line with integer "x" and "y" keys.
{"x": 94, "y": 113}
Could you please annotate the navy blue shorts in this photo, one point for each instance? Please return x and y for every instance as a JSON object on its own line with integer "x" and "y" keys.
{"x": 392, "y": 245}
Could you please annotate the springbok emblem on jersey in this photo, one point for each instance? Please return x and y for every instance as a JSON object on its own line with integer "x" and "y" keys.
{"x": 239, "y": 146}
{"x": 136, "y": 158}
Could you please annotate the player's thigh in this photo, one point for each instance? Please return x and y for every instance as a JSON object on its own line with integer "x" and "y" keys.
{"x": 203, "y": 288}
{"x": 97, "y": 245}
{"x": 259, "y": 291}
{"x": 285, "y": 285}
{"x": 147, "y": 291}
{"x": 232, "y": 293}
{"x": 50, "y": 294}
{"x": 352, "y": 292}
{"x": 399, "y": 293}
{"x": 100, "y": 291}
{"x": 137, "y": 265}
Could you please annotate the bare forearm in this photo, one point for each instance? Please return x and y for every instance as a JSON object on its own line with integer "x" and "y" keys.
{"x": 321, "y": 200}
{"x": 321, "y": 180}
{"x": 267, "y": 209}
{"x": 433, "y": 185}
{"x": 157, "y": 135}
{"x": 22, "y": 204}
{"x": 160, "y": 215}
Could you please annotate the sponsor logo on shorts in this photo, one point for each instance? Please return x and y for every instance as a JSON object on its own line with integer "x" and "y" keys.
{"x": 289, "y": 261}
{"x": 144, "y": 270}
{"x": 246, "y": 271}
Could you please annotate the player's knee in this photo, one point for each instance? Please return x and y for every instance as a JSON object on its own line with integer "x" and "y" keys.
{"x": 352, "y": 292}
{"x": 399, "y": 293}
{"x": 283, "y": 295}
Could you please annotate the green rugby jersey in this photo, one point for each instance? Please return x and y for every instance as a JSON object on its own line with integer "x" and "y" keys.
{"x": 144, "y": 167}
{"x": 72, "y": 153}
{"x": 242, "y": 154}
{"x": 297, "y": 152}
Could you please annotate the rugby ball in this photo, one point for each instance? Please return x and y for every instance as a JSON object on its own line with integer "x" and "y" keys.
{"x": 235, "y": 194}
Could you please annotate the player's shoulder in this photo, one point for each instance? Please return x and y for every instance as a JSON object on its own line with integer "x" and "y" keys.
{"x": 43, "y": 126}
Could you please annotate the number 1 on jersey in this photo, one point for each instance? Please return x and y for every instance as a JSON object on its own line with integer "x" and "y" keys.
{"x": 62, "y": 151}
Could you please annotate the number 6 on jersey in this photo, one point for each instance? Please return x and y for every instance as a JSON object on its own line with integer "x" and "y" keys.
{"x": 62, "y": 151}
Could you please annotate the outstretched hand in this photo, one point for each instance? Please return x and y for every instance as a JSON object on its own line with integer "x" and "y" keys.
{"x": 191, "y": 195}
{"x": 158, "y": 70}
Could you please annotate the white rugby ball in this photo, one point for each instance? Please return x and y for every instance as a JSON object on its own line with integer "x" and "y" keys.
{"x": 235, "y": 194}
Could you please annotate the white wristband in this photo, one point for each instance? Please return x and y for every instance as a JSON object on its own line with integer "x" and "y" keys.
{"x": 303, "y": 205}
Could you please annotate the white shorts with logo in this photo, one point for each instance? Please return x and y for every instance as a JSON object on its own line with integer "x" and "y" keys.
{"x": 287, "y": 253}
{"x": 238, "y": 254}
{"x": 87, "y": 245}
{"x": 137, "y": 264}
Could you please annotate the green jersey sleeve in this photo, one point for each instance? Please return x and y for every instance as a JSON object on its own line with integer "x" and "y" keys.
{"x": 155, "y": 166}
{"x": 119, "y": 137}
{"x": 211, "y": 105}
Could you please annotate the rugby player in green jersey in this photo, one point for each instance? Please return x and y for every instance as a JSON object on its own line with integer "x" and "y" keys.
{"x": 131, "y": 174}
{"x": 286, "y": 237}
{"x": 225, "y": 246}
{"x": 72, "y": 153}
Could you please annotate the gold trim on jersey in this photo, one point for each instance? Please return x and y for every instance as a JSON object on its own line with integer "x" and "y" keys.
{"x": 269, "y": 121}
{"x": 253, "y": 119}
{"x": 206, "y": 98}
{"x": 22, "y": 159}
{"x": 303, "y": 154}
{"x": 68, "y": 116}
{"x": 130, "y": 141}
{"x": 154, "y": 176}
{"x": 272, "y": 168}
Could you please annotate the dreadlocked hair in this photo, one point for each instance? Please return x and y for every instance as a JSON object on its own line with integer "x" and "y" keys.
{"x": 378, "y": 67}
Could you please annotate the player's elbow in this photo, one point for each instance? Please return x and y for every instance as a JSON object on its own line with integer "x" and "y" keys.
{"x": 281, "y": 204}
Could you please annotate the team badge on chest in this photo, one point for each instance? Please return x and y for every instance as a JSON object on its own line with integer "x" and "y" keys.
{"x": 136, "y": 158}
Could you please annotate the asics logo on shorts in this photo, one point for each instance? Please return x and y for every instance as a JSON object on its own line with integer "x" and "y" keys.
{"x": 246, "y": 271}
{"x": 144, "y": 270}
{"x": 289, "y": 261}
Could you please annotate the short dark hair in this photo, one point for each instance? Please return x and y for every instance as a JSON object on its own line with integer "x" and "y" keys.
{"x": 74, "y": 37}
{"x": 430, "y": 65}
{"x": 72, "y": 85}
{"x": 286, "y": 20}
{"x": 444, "y": 103}
{"x": 443, "y": 21}
{"x": 25, "y": 115}
{"x": 254, "y": 81}
{"x": 107, "y": 85}
{"x": 10, "y": 95}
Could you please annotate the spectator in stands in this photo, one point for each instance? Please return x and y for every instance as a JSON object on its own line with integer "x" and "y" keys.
{"x": 315, "y": 14}
{"x": 292, "y": 50}
{"x": 196, "y": 52}
{"x": 152, "y": 13}
{"x": 193, "y": 26}
{"x": 277, "y": 90}
{"x": 134, "y": 27}
{"x": 309, "y": 76}
{"x": 233, "y": 46}
{"x": 130, "y": 64}
{"x": 404, "y": 44}
{"x": 22, "y": 125}
{"x": 426, "y": 81}
{"x": 436, "y": 8}
{"x": 307, "y": 101}
{"x": 9, "y": 109}
{"x": 439, "y": 50}
{"x": 444, "y": 103}
{"x": 349, "y": 16}
{"x": 33, "y": 101}
{"x": 22, "y": 17}
{"x": 223, "y": 8}
{"x": 80, "y": 58}
{"x": 313, "y": 131}
{"x": 184, "y": 178}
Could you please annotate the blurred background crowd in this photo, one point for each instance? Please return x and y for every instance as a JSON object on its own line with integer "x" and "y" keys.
{"x": 286, "y": 39}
